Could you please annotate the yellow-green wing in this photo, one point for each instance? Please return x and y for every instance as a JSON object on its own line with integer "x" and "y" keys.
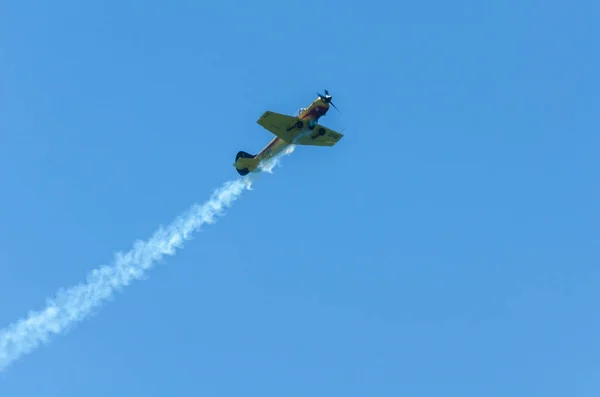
{"x": 284, "y": 126}
{"x": 320, "y": 136}
{"x": 291, "y": 130}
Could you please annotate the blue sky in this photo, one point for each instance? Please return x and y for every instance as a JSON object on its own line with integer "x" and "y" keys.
{"x": 448, "y": 245}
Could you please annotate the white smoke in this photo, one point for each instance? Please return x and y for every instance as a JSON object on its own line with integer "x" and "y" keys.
{"x": 268, "y": 165}
{"x": 74, "y": 304}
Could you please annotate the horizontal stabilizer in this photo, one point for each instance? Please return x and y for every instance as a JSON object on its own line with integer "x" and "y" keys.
{"x": 245, "y": 163}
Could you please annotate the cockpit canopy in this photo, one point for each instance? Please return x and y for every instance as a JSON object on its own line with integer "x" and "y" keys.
{"x": 299, "y": 112}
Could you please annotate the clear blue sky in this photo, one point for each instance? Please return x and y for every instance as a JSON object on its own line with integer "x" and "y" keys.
{"x": 447, "y": 246}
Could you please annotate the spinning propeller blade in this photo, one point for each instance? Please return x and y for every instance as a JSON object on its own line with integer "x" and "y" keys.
{"x": 327, "y": 99}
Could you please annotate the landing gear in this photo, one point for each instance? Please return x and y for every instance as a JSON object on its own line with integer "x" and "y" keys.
{"x": 298, "y": 124}
{"x": 321, "y": 132}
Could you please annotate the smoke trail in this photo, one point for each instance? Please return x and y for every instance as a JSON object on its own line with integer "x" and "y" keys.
{"x": 268, "y": 165}
{"x": 74, "y": 304}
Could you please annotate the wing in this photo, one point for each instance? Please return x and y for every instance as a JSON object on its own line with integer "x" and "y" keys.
{"x": 283, "y": 126}
{"x": 290, "y": 129}
{"x": 320, "y": 136}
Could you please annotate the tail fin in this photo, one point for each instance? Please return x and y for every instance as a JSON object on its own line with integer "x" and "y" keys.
{"x": 245, "y": 163}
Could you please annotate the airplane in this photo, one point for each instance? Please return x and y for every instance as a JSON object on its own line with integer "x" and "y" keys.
{"x": 302, "y": 129}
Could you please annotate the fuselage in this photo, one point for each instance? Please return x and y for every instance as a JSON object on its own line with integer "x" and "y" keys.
{"x": 311, "y": 114}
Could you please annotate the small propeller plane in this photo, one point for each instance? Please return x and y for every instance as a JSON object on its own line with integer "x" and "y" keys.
{"x": 302, "y": 129}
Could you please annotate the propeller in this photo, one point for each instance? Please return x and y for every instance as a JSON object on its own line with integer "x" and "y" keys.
{"x": 327, "y": 99}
